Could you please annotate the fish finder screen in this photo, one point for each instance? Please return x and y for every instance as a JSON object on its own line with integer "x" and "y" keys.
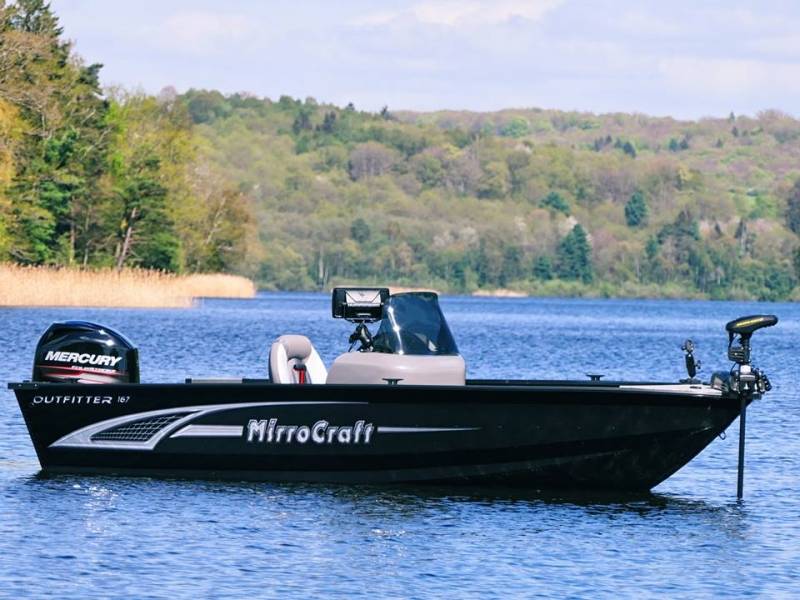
{"x": 359, "y": 304}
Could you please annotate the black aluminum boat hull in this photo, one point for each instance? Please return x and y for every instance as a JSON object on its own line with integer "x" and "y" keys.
{"x": 531, "y": 434}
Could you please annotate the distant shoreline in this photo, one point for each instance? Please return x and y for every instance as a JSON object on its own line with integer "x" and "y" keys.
{"x": 43, "y": 286}
{"x": 567, "y": 289}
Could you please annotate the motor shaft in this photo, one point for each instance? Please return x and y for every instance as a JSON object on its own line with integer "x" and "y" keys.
{"x": 742, "y": 428}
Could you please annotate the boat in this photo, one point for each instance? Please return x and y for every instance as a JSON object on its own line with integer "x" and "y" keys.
{"x": 396, "y": 407}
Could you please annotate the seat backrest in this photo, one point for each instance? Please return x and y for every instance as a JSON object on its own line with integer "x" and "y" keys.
{"x": 290, "y": 351}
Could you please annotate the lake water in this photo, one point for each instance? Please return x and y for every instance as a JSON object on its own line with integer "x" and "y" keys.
{"x": 82, "y": 536}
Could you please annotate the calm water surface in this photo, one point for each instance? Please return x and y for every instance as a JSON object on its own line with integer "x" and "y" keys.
{"x": 99, "y": 537}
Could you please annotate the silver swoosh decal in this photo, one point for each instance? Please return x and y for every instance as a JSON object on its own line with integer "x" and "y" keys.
{"x": 383, "y": 429}
{"x": 82, "y": 438}
{"x": 209, "y": 431}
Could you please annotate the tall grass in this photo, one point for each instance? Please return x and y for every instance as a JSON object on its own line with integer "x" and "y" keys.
{"x": 48, "y": 286}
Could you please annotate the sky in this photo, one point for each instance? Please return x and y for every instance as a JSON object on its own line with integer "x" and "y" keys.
{"x": 684, "y": 58}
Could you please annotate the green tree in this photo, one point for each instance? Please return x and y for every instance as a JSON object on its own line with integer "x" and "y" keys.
{"x": 35, "y": 16}
{"x": 556, "y": 202}
{"x": 10, "y": 133}
{"x": 543, "y": 268}
{"x": 360, "y": 230}
{"x": 793, "y": 208}
{"x": 778, "y": 283}
{"x": 629, "y": 149}
{"x": 428, "y": 169}
{"x": 516, "y": 128}
{"x": 61, "y": 160}
{"x": 328, "y": 123}
{"x": 302, "y": 122}
{"x": 574, "y": 256}
{"x": 652, "y": 271}
{"x": 206, "y": 106}
{"x": 494, "y": 182}
{"x": 512, "y": 264}
{"x": 149, "y": 213}
{"x": 796, "y": 262}
{"x": 636, "y": 211}
{"x": 212, "y": 222}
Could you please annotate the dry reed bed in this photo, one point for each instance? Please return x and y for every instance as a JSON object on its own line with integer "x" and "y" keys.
{"x": 48, "y": 286}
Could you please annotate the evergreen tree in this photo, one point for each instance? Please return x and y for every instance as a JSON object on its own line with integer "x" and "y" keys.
{"x": 793, "y": 208}
{"x": 328, "y": 123}
{"x": 627, "y": 147}
{"x": 636, "y": 211}
{"x": 543, "y": 268}
{"x": 62, "y": 159}
{"x": 35, "y": 16}
{"x": 574, "y": 256}
{"x": 512, "y": 265}
{"x": 796, "y": 262}
{"x": 652, "y": 264}
{"x": 360, "y": 231}
{"x": 302, "y": 121}
{"x": 556, "y": 202}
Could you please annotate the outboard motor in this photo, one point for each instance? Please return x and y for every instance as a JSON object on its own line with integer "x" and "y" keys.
{"x": 83, "y": 352}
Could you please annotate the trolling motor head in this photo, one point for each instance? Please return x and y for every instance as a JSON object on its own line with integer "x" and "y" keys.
{"x": 745, "y": 379}
{"x": 744, "y": 327}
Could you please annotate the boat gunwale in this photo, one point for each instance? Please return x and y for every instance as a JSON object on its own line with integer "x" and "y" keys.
{"x": 623, "y": 392}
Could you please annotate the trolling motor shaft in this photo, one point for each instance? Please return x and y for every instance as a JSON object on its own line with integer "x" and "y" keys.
{"x": 745, "y": 379}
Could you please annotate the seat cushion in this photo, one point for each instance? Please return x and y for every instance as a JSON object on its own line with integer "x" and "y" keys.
{"x": 377, "y": 367}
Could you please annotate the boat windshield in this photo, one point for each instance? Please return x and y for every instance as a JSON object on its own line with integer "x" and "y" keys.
{"x": 413, "y": 323}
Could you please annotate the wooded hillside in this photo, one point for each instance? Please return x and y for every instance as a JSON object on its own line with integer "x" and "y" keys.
{"x": 543, "y": 201}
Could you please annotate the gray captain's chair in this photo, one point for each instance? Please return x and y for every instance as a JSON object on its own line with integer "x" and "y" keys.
{"x": 290, "y": 355}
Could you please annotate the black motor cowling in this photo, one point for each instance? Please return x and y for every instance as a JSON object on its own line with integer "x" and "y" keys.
{"x": 83, "y": 352}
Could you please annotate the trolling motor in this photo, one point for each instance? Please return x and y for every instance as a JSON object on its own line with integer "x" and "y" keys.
{"x": 745, "y": 380}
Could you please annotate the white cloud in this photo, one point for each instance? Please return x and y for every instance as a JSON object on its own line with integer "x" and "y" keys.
{"x": 785, "y": 44}
{"x": 376, "y": 18}
{"x": 201, "y": 32}
{"x": 642, "y": 23}
{"x": 729, "y": 76}
{"x": 465, "y": 13}
{"x": 477, "y": 13}
{"x": 751, "y": 20}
